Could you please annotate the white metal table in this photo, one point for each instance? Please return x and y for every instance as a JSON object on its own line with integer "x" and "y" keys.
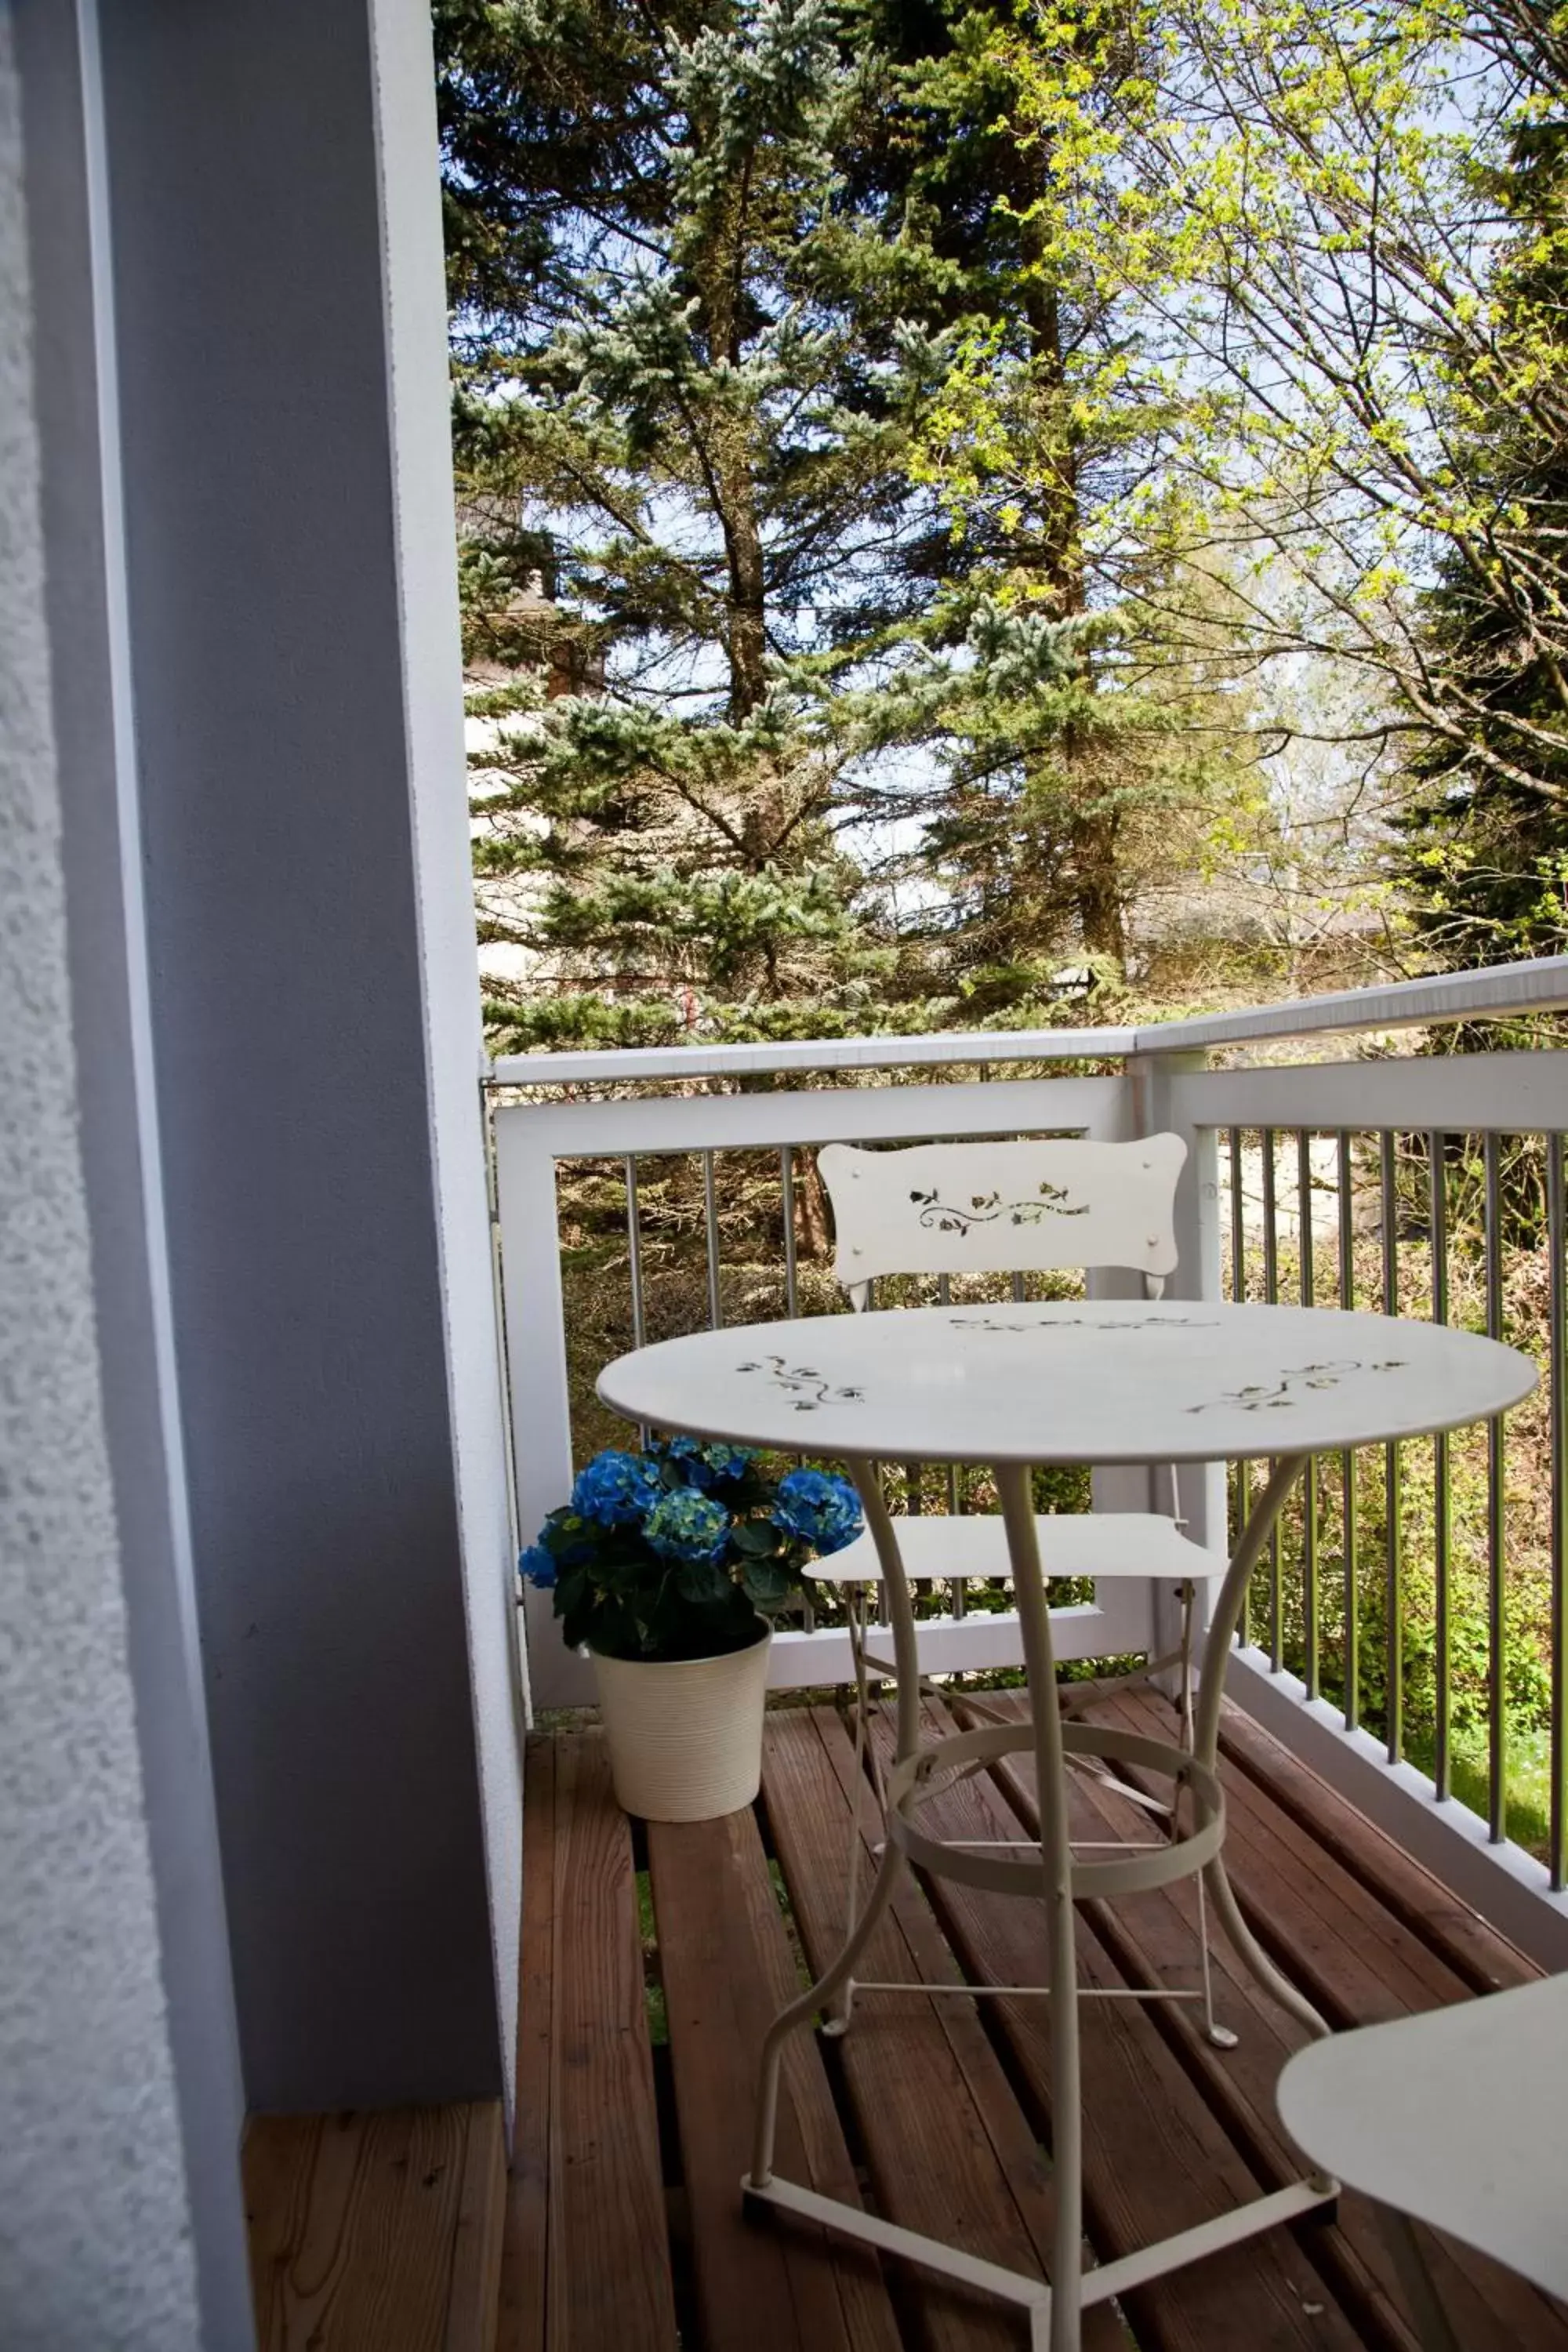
{"x": 1013, "y": 1387}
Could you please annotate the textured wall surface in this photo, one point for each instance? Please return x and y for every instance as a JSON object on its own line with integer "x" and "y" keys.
{"x": 94, "y": 2244}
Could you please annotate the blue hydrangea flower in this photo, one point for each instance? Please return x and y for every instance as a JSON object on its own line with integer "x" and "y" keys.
{"x": 616, "y": 1489}
{"x": 821, "y": 1511}
{"x": 538, "y": 1566}
{"x": 686, "y": 1524}
{"x": 709, "y": 1465}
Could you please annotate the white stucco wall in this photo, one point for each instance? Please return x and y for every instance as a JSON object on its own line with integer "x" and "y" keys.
{"x": 95, "y": 2248}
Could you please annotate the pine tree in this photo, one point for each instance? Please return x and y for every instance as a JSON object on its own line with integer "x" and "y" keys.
{"x": 1076, "y": 729}
{"x": 1487, "y": 839}
{"x": 680, "y": 357}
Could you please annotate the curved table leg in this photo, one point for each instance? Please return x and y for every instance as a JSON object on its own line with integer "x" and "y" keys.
{"x": 1013, "y": 1483}
{"x": 1205, "y": 1743}
{"x": 906, "y": 1660}
{"x": 800, "y": 2010}
{"x": 839, "y": 1977}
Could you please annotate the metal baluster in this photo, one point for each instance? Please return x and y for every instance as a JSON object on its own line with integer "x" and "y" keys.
{"x": 1238, "y": 1296}
{"x": 1558, "y": 1851}
{"x": 1351, "y": 1701}
{"x": 633, "y": 1263}
{"x": 1496, "y": 1625}
{"x": 633, "y": 1251}
{"x": 1442, "y": 1503}
{"x": 1272, "y": 1293}
{"x": 957, "y": 1499}
{"x": 710, "y": 1215}
{"x": 1309, "y": 1669}
{"x": 791, "y": 1277}
{"x": 1393, "y": 1578}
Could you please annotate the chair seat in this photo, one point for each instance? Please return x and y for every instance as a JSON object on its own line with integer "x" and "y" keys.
{"x": 1072, "y": 1543}
{"x": 1459, "y": 2118}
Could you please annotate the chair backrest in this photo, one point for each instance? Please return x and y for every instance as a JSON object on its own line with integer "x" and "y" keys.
{"x": 1003, "y": 1208}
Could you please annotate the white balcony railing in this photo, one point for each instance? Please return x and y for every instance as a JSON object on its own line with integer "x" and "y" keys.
{"x": 1388, "y": 1643}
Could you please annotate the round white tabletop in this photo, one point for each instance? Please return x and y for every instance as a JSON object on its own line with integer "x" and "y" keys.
{"x": 1112, "y": 1381}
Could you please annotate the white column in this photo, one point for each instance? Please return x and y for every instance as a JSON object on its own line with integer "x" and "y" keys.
{"x": 292, "y": 651}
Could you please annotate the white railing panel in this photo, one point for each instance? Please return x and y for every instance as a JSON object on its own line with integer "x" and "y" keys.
{"x": 1462, "y": 1094}
{"x": 534, "y": 1310}
{"x": 812, "y": 1115}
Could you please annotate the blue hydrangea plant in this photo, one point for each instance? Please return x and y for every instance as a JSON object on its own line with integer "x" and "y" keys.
{"x": 676, "y": 1552}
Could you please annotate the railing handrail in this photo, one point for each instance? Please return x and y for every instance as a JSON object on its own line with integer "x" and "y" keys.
{"x": 1539, "y": 985}
{"x": 892, "y": 1052}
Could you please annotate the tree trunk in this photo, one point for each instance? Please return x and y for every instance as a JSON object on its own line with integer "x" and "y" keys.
{"x": 1096, "y": 893}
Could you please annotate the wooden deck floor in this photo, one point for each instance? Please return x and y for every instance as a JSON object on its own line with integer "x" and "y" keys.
{"x": 652, "y": 1962}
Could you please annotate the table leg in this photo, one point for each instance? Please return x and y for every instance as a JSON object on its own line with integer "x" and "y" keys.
{"x": 806, "y": 2007}
{"x": 901, "y": 1602}
{"x": 1211, "y": 1693}
{"x": 839, "y": 1975}
{"x": 1014, "y": 1486}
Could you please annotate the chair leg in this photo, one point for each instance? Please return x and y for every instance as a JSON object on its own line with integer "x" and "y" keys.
{"x": 838, "y": 2019}
{"x": 1220, "y": 2036}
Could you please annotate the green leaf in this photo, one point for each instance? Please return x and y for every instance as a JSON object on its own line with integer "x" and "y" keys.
{"x": 765, "y": 1586}
{"x": 755, "y": 1539}
{"x": 573, "y": 1592}
{"x": 702, "y": 1581}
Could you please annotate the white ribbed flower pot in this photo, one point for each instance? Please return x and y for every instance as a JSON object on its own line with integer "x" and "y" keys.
{"x": 686, "y": 1740}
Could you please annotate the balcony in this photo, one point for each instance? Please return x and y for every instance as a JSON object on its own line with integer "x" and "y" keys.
{"x": 1395, "y": 1742}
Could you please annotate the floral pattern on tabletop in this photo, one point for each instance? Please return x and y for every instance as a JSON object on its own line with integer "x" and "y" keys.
{"x": 1262, "y": 1396}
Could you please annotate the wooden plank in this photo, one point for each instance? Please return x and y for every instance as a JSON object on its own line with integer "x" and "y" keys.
{"x": 1155, "y": 2159}
{"x": 472, "y": 2308}
{"x": 588, "y": 2132}
{"x": 1291, "y": 1890}
{"x": 354, "y": 2224}
{"x": 1153, "y": 1939}
{"x": 527, "y": 2236}
{"x": 948, "y": 2147}
{"x": 1352, "y": 1958}
{"x": 768, "y": 2285}
{"x": 1474, "y": 1950}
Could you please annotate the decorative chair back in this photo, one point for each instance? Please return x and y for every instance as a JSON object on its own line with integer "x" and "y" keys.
{"x": 1003, "y": 1208}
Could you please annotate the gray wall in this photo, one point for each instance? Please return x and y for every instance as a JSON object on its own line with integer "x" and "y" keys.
{"x": 98, "y": 2229}
{"x": 290, "y": 589}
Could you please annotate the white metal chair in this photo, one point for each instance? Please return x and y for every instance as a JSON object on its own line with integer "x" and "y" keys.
{"x": 948, "y": 1209}
{"x": 1458, "y": 2119}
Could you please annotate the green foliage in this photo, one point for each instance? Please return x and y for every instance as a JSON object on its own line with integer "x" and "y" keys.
{"x": 1488, "y": 860}
{"x": 687, "y": 373}
{"x": 677, "y": 1552}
